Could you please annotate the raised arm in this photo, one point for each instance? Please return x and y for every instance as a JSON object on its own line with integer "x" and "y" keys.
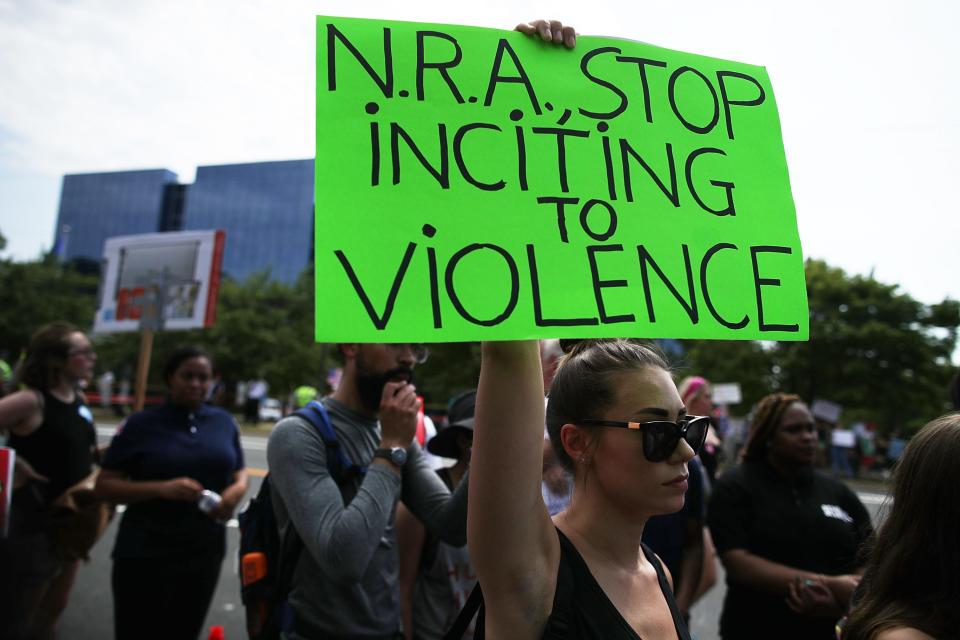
{"x": 513, "y": 543}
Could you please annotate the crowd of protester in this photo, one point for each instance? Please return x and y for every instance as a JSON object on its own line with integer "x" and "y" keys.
{"x": 584, "y": 496}
{"x": 592, "y": 512}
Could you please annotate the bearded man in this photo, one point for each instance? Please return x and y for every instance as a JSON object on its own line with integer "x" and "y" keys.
{"x": 345, "y": 584}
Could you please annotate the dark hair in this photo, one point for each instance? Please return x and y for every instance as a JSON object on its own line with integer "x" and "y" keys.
{"x": 911, "y": 575}
{"x": 46, "y": 355}
{"x": 179, "y": 356}
{"x": 584, "y": 382}
{"x": 764, "y": 423}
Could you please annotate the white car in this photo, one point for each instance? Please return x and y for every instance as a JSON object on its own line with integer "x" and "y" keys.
{"x": 270, "y": 410}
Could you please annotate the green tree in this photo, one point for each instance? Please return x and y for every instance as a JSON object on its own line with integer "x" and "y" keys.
{"x": 34, "y": 293}
{"x": 451, "y": 368}
{"x": 881, "y": 354}
{"x": 873, "y": 349}
{"x": 749, "y": 363}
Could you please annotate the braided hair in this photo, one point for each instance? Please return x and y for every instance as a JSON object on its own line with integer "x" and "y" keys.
{"x": 766, "y": 419}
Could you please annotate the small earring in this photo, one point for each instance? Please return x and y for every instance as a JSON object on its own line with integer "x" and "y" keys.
{"x": 581, "y": 459}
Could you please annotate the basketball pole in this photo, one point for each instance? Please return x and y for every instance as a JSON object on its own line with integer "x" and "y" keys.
{"x": 151, "y": 321}
{"x": 143, "y": 367}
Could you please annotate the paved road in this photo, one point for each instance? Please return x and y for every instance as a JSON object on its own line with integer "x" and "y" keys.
{"x": 89, "y": 616}
{"x": 90, "y": 613}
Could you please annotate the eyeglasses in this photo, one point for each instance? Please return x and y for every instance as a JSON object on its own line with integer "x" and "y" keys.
{"x": 88, "y": 352}
{"x": 661, "y": 437}
{"x": 419, "y": 350}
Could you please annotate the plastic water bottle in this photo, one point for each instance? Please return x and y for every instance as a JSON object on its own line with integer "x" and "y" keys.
{"x": 209, "y": 500}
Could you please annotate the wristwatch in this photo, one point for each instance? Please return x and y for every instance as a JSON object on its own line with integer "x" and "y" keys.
{"x": 396, "y": 455}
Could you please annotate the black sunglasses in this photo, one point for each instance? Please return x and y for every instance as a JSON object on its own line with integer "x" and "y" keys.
{"x": 661, "y": 437}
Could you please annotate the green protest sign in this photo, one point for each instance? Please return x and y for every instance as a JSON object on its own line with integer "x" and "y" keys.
{"x": 480, "y": 184}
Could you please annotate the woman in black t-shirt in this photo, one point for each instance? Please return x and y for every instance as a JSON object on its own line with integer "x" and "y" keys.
{"x": 51, "y": 430}
{"x": 168, "y": 551}
{"x": 787, "y": 534}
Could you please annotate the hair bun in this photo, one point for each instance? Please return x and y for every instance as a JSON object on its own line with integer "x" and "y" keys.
{"x": 567, "y": 345}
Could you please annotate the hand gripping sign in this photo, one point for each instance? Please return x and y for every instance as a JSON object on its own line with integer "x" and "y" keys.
{"x": 479, "y": 184}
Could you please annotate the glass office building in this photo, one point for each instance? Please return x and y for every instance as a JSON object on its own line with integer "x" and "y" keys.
{"x": 266, "y": 209}
{"x": 97, "y": 206}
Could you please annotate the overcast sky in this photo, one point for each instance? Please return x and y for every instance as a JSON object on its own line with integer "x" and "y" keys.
{"x": 867, "y": 91}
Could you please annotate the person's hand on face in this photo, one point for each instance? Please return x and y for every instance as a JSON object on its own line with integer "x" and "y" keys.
{"x": 550, "y": 31}
{"x": 399, "y": 406}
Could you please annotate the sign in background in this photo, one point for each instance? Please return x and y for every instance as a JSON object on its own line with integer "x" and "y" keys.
{"x": 172, "y": 277}
{"x": 480, "y": 184}
{"x": 826, "y": 410}
{"x": 727, "y": 393}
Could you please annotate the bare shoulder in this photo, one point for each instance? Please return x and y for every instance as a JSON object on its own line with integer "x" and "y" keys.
{"x": 25, "y": 399}
{"x": 21, "y": 412}
{"x": 903, "y": 633}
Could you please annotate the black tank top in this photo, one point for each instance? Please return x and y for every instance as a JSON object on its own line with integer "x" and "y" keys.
{"x": 61, "y": 447}
{"x": 582, "y": 610}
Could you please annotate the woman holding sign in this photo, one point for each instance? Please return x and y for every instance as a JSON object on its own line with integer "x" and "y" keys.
{"x": 616, "y": 421}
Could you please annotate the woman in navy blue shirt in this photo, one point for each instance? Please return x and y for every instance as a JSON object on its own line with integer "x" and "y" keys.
{"x": 168, "y": 551}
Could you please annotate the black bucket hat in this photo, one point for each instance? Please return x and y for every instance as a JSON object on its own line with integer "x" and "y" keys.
{"x": 459, "y": 418}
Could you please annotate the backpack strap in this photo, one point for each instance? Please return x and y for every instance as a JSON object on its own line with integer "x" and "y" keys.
{"x": 339, "y": 463}
{"x": 341, "y": 468}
